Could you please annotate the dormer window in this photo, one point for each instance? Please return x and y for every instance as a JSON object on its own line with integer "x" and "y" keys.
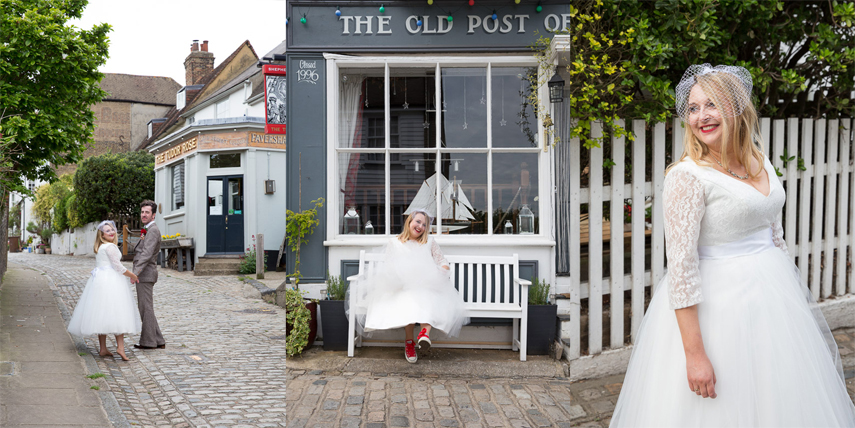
{"x": 181, "y": 99}
{"x": 151, "y": 124}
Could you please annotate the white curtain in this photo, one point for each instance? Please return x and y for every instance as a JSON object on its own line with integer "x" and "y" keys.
{"x": 349, "y": 133}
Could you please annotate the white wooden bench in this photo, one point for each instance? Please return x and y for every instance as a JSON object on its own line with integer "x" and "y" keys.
{"x": 489, "y": 286}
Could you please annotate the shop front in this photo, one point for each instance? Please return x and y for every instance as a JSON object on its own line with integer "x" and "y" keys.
{"x": 410, "y": 105}
{"x": 212, "y": 185}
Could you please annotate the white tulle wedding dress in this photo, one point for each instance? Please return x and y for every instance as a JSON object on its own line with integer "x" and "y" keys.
{"x": 775, "y": 361}
{"x": 106, "y": 305}
{"x": 410, "y": 286}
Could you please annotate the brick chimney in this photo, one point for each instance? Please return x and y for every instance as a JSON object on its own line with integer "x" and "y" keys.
{"x": 198, "y": 64}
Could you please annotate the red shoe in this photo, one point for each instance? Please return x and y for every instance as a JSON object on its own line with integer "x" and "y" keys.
{"x": 410, "y": 351}
{"x": 424, "y": 340}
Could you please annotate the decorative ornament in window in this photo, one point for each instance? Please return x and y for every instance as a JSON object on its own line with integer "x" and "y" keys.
{"x": 350, "y": 222}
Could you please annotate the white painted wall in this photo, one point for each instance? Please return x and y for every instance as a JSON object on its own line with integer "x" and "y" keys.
{"x": 270, "y": 209}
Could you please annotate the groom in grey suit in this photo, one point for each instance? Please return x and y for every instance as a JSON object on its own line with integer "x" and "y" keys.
{"x": 145, "y": 267}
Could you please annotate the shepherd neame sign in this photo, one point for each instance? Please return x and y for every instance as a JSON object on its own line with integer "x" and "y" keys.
{"x": 410, "y": 28}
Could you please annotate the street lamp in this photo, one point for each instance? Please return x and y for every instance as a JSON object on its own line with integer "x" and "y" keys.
{"x": 556, "y": 88}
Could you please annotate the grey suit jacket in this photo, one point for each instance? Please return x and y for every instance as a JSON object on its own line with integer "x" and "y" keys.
{"x": 145, "y": 255}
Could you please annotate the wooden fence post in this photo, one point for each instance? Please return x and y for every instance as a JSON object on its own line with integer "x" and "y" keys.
{"x": 259, "y": 256}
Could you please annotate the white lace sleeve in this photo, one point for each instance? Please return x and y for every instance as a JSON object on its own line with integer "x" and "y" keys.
{"x": 683, "y": 201}
{"x": 778, "y": 235}
{"x": 115, "y": 257}
{"x": 438, "y": 258}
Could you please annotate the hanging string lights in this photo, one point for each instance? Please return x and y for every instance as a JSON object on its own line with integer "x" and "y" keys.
{"x": 337, "y": 11}
{"x": 382, "y": 9}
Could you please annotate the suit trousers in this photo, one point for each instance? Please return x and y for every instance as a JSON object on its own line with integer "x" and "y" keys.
{"x": 150, "y": 335}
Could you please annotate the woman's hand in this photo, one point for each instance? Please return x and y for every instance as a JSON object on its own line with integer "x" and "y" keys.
{"x": 701, "y": 375}
{"x": 699, "y": 369}
{"x": 132, "y": 276}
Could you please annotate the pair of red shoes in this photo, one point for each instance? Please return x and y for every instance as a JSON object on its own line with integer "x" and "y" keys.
{"x": 410, "y": 346}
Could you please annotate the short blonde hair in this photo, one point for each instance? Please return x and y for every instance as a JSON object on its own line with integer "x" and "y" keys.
{"x": 404, "y": 236}
{"x": 740, "y": 134}
{"x": 100, "y": 239}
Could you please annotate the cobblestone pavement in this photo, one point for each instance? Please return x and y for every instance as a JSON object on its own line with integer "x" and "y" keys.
{"x": 224, "y": 362}
{"x": 328, "y": 398}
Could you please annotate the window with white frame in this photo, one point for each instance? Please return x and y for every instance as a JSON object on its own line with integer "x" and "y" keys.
{"x": 177, "y": 171}
{"x": 460, "y": 141}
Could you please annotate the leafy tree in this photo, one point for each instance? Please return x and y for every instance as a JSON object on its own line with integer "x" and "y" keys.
{"x": 627, "y": 56}
{"x": 49, "y": 197}
{"x": 113, "y": 185}
{"x": 48, "y": 80}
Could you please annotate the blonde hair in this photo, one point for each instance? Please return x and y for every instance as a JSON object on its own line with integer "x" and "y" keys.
{"x": 740, "y": 133}
{"x": 100, "y": 239}
{"x": 404, "y": 236}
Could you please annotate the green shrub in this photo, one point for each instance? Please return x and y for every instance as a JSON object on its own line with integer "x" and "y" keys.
{"x": 297, "y": 316}
{"x": 336, "y": 287}
{"x": 538, "y": 292}
{"x": 247, "y": 263}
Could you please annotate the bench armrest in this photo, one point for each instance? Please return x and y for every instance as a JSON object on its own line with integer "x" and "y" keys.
{"x": 520, "y": 281}
{"x": 356, "y": 277}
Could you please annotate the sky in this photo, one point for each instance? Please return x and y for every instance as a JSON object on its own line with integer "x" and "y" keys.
{"x": 153, "y": 38}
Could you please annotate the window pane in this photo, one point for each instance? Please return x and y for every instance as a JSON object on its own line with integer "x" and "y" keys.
{"x": 412, "y": 174}
{"x": 215, "y": 196}
{"x": 361, "y": 97}
{"x": 411, "y": 98}
{"x": 178, "y": 186}
{"x": 235, "y": 199}
{"x": 362, "y": 186}
{"x": 225, "y": 160}
{"x": 464, "y": 107}
{"x": 514, "y": 185}
{"x": 464, "y": 193}
{"x": 514, "y": 123}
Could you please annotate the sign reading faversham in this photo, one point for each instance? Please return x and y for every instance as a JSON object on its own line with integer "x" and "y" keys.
{"x": 413, "y": 26}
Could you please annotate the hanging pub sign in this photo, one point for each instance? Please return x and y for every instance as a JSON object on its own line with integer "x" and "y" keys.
{"x": 275, "y": 90}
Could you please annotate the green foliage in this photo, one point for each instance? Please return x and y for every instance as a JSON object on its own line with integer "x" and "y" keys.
{"x": 800, "y": 164}
{"x": 49, "y": 80}
{"x": 247, "y": 263}
{"x": 298, "y": 227}
{"x": 538, "y": 292}
{"x": 627, "y": 56}
{"x": 336, "y": 287}
{"x": 297, "y": 316}
{"x": 71, "y": 212}
{"x": 48, "y": 196}
{"x": 113, "y": 184}
{"x": 15, "y": 217}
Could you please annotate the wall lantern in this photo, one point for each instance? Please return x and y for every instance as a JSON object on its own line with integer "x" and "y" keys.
{"x": 556, "y": 88}
{"x": 269, "y": 187}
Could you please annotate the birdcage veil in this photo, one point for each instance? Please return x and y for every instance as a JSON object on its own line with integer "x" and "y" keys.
{"x": 729, "y": 85}
{"x": 107, "y": 223}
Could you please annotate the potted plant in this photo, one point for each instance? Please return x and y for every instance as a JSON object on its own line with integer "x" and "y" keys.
{"x": 46, "y": 233}
{"x": 542, "y": 318}
{"x": 298, "y": 227}
{"x": 297, "y": 322}
{"x": 334, "y": 326}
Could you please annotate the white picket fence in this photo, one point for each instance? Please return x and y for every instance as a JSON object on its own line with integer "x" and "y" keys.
{"x": 817, "y": 211}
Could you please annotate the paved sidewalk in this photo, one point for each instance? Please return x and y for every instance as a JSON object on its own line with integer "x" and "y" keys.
{"x": 456, "y": 388}
{"x": 224, "y": 362}
{"x": 42, "y": 378}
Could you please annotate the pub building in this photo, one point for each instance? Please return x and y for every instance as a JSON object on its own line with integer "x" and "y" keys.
{"x": 398, "y": 105}
{"x": 219, "y": 168}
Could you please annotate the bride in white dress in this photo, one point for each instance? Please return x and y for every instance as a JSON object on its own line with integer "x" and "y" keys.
{"x": 411, "y": 285}
{"x": 731, "y": 336}
{"x": 106, "y": 305}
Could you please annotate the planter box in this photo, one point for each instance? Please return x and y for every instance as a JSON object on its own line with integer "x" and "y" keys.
{"x": 47, "y": 250}
{"x": 334, "y": 326}
{"x": 542, "y": 320}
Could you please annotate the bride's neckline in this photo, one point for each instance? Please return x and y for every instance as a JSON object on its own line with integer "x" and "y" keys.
{"x": 731, "y": 178}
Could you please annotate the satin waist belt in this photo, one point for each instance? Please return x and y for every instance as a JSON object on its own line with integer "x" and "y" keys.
{"x": 752, "y": 244}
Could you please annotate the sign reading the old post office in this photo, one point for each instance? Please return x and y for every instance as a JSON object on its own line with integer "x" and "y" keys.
{"x": 410, "y": 26}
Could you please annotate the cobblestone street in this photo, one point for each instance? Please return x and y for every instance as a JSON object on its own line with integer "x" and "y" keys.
{"x": 224, "y": 361}
{"x": 224, "y": 366}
